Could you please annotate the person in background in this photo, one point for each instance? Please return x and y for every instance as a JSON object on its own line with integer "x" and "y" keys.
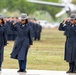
{"x": 69, "y": 28}
{"x": 30, "y": 23}
{"x": 3, "y": 39}
{"x": 9, "y": 31}
{"x": 35, "y": 28}
{"x": 39, "y": 30}
{"x": 23, "y": 42}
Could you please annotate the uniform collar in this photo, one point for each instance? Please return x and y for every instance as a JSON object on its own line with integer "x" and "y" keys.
{"x": 23, "y": 26}
{"x": 73, "y": 25}
{"x": 0, "y": 25}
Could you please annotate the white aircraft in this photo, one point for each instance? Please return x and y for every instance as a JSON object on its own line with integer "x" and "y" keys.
{"x": 67, "y": 6}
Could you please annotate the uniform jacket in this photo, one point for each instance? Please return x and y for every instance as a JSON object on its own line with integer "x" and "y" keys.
{"x": 70, "y": 44}
{"x": 22, "y": 41}
{"x": 3, "y": 41}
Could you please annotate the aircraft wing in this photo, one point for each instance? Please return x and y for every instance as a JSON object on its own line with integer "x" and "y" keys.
{"x": 47, "y": 3}
{"x": 60, "y": 13}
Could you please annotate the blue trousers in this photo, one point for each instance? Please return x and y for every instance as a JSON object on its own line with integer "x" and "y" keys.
{"x": 22, "y": 64}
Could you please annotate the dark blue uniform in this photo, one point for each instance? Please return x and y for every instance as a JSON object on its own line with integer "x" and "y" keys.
{"x": 3, "y": 42}
{"x": 32, "y": 25}
{"x": 9, "y": 31}
{"x": 14, "y": 34}
{"x": 39, "y": 29}
{"x": 35, "y": 31}
{"x": 22, "y": 42}
{"x": 70, "y": 45}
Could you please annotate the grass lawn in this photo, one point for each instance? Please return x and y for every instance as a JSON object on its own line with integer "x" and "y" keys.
{"x": 47, "y": 54}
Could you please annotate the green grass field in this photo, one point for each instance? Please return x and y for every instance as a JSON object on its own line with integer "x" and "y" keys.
{"x": 47, "y": 54}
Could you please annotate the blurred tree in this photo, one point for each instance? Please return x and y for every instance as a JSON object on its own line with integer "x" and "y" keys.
{"x": 74, "y": 1}
{"x": 2, "y": 4}
{"x": 21, "y": 5}
{"x": 25, "y": 7}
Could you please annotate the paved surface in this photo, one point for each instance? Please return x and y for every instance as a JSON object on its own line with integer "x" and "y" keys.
{"x": 33, "y": 72}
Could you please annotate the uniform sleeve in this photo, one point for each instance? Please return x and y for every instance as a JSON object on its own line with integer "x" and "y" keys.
{"x": 30, "y": 35}
{"x": 62, "y": 27}
{"x": 14, "y": 27}
{"x": 5, "y": 36}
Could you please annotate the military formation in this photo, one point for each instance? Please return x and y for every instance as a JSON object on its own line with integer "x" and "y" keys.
{"x": 69, "y": 28}
{"x": 37, "y": 28}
